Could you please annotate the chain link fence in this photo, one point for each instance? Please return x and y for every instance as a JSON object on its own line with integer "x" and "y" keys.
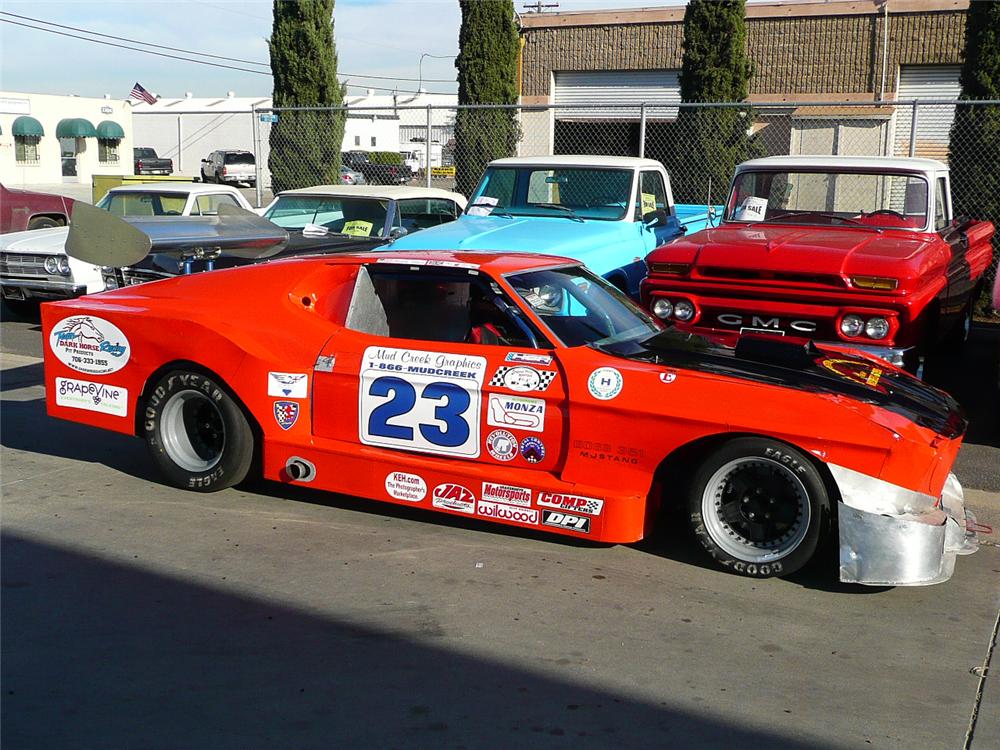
{"x": 699, "y": 144}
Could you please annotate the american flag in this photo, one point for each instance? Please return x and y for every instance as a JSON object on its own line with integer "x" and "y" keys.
{"x": 138, "y": 92}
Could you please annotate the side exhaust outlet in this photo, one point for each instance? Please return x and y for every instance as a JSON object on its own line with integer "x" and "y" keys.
{"x": 299, "y": 470}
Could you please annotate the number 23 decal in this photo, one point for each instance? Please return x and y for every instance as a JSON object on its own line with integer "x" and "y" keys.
{"x": 452, "y": 404}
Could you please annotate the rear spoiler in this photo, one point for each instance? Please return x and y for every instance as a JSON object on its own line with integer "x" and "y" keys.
{"x": 98, "y": 237}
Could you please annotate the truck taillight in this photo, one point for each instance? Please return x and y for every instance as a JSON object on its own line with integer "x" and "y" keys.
{"x": 225, "y": 171}
{"x": 138, "y": 164}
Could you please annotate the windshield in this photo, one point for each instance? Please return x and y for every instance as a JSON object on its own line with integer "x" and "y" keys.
{"x": 883, "y": 200}
{"x": 144, "y": 204}
{"x": 571, "y": 192}
{"x": 582, "y": 309}
{"x": 357, "y": 217}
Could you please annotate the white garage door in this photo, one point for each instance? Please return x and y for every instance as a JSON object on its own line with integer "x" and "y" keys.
{"x": 659, "y": 90}
{"x": 933, "y": 120}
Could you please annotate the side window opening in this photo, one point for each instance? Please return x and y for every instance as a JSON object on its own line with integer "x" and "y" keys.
{"x": 652, "y": 195}
{"x": 940, "y": 205}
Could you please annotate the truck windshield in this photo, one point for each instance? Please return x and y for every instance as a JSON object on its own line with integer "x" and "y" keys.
{"x": 144, "y": 204}
{"x": 359, "y": 217}
{"x": 883, "y": 200}
{"x": 570, "y": 192}
{"x": 582, "y": 309}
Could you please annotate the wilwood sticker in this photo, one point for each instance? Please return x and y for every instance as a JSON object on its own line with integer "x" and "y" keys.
{"x": 100, "y": 397}
{"x": 91, "y": 345}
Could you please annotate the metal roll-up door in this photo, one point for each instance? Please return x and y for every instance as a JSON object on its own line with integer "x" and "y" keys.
{"x": 933, "y": 120}
{"x": 621, "y": 92}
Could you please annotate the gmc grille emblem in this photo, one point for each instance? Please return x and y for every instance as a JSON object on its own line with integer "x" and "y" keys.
{"x": 773, "y": 324}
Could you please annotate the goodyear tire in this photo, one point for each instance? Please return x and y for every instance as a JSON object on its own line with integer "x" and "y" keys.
{"x": 758, "y": 507}
{"x": 197, "y": 434}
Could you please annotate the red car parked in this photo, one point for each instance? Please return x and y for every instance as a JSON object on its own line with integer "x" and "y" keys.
{"x": 23, "y": 209}
{"x": 860, "y": 252}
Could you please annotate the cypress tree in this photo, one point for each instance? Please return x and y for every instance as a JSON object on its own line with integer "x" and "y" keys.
{"x": 305, "y": 145}
{"x": 714, "y": 68}
{"x": 487, "y": 74}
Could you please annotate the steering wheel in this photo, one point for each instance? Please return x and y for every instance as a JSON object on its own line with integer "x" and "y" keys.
{"x": 605, "y": 200}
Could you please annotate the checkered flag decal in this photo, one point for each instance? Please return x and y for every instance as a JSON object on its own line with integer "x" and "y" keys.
{"x": 547, "y": 376}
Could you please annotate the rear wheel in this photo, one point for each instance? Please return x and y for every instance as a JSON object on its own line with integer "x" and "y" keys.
{"x": 196, "y": 432}
{"x": 758, "y": 507}
{"x": 44, "y": 222}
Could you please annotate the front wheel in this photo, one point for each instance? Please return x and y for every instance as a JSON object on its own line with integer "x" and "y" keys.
{"x": 197, "y": 434}
{"x": 758, "y": 507}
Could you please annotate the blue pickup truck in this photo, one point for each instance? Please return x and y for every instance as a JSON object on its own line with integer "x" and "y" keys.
{"x": 606, "y": 211}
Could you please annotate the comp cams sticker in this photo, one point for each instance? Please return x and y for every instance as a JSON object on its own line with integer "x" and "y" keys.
{"x": 516, "y": 412}
{"x": 100, "y": 397}
{"x": 89, "y": 344}
{"x": 421, "y": 401}
{"x": 403, "y": 486}
{"x": 590, "y": 505}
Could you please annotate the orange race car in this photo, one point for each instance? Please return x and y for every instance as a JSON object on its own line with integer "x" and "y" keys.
{"x": 521, "y": 389}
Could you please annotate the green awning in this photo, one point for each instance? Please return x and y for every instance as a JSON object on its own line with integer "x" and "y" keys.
{"x": 109, "y": 130}
{"x": 28, "y": 126}
{"x": 75, "y": 127}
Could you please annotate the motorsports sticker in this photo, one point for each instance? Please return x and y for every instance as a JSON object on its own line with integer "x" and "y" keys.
{"x": 82, "y": 394}
{"x": 505, "y": 493}
{"x": 519, "y": 412}
{"x": 421, "y": 401}
{"x": 91, "y": 345}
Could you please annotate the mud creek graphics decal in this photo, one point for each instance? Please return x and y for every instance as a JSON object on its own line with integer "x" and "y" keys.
{"x": 403, "y": 486}
{"x": 91, "y": 345}
{"x": 859, "y": 372}
{"x": 286, "y": 414}
{"x": 505, "y": 493}
{"x": 516, "y": 412}
{"x": 566, "y": 521}
{"x": 589, "y": 505}
{"x": 421, "y": 401}
{"x": 502, "y": 445}
{"x": 507, "y": 512}
{"x": 605, "y": 383}
{"x": 454, "y": 497}
{"x": 522, "y": 379}
{"x": 100, "y": 397}
{"x": 288, "y": 384}
{"x": 533, "y": 450}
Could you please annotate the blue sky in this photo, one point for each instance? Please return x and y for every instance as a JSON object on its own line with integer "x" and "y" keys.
{"x": 375, "y": 37}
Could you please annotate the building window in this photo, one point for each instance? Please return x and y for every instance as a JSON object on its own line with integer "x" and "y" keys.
{"x": 107, "y": 150}
{"x": 373, "y": 141}
{"x": 26, "y": 149}
{"x": 357, "y": 140}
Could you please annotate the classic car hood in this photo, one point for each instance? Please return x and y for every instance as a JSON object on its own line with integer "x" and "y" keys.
{"x": 35, "y": 242}
{"x": 833, "y": 250}
{"x": 580, "y": 240}
{"x": 796, "y": 364}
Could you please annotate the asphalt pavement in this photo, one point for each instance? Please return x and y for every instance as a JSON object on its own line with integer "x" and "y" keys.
{"x": 138, "y": 615}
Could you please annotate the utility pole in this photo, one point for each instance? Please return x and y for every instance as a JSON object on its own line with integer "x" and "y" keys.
{"x": 537, "y": 6}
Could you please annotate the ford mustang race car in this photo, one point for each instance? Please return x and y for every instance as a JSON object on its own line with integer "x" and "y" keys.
{"x": 524, "y": 390}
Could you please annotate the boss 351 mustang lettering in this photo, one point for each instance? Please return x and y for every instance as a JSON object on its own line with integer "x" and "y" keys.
{"x": 381, "y": 383}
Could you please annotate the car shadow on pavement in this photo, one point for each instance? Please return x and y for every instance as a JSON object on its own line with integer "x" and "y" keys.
{"x": 21, "y": 377}
{"x": 98, "y": 653}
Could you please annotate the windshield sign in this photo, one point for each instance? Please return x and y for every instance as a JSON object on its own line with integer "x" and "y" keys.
{"x": 883, "y": 201}
{"x": 575, "y": 193}
{"x": 355, "y": 217}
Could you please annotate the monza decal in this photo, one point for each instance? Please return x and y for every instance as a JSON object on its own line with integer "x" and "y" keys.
{"x": 288, "y": 384}
{"x": 529, "y": 358}
{"x": 89, "y": 344}
{"x": 505, "y": 493}
{"x": 566, "y": 521}
{"x": 507, "y": 512}
{"x": 522, "y": 379}
{"x": 605, "y": 383}
{"x": 453, "y": 497}
{"x": 502, "y": 445}
{"x": 286, "y": 413}
{"x": 422, "y": 401}
{"x": 99, "y": 397}
{"x": 533, "y": 450}
{"x": 403, "y": 486}
{"x": 516, "y": 412}
{"x": 589, "y": 505}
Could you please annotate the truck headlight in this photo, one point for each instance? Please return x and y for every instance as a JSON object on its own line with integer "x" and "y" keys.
{"x": 683, "y": 310}
{"x": 663, "y": 308}
{"x": 852, "y": 325}
{"x": 877, "y": 328}
{"x": 63, "y": 265}
{"x": 51, "y": 265}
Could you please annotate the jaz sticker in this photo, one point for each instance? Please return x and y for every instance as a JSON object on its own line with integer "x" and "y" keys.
{"x": 286, "y": 413}
{"x": 533, "y": 450}
{"x": 287, "y": 384}
{"x": 505, "y": 493}
{"x": 516, "y": 412}
{"x": 99, "y": 397}
{"x": 668, "y": 377}
{"x": 605, "y": 383}
{"x": 522, "y": 379}
{"x": 89, "y": 344}
{"x": 454, "y": 497}
{"x": 589, "y": 505}
{"x": 403, "y": 486}
{"x": 501, "y": 445}
{"x": 528, "y": 358}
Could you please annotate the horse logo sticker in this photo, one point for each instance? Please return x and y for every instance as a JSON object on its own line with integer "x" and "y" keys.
{"x": 88, "y": 344}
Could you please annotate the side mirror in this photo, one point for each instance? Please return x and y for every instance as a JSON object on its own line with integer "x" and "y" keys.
{"x": 654, "y": 219}
{"x": 396, "y": 232}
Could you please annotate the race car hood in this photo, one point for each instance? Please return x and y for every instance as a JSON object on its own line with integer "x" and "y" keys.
{"x": 791, "y": 364}
{"x": 584, "y": 240}
{"x": 826, "y": 251}
{"x": 35, "y": 242}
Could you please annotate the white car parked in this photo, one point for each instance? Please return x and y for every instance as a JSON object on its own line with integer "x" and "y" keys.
{"x": 34, "y": 265}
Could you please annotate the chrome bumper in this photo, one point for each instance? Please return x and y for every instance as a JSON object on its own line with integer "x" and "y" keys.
{"x": 41, "y": 288}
